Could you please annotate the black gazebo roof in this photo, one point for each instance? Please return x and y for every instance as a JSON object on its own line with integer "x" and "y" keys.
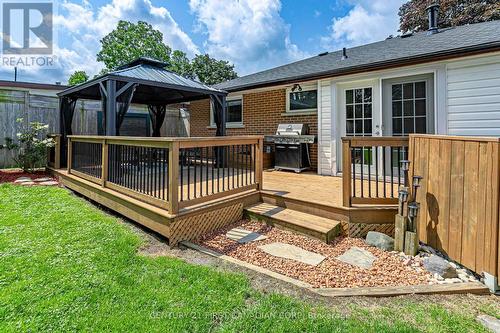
{"x": 156, "y": 85}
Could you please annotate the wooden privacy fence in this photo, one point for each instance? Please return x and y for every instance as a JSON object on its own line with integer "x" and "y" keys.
{"x": 459, "y": 197}
{"x": 371, "y": 171}
{"x": 170, "y": 173}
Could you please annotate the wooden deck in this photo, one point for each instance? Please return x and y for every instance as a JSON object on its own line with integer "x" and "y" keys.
{"x": 185, "y": 187}
{"x": 311, "y": 187}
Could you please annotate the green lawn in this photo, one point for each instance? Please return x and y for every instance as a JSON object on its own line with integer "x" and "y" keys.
{"x": 67, "y": 266}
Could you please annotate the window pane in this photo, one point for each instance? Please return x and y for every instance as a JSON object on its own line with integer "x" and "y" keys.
{"x": 368, "y": 110}
{"x": 408, "y": 108}
{"x": 420, "y": 107}
{"x": 396, "y": 92}
{"x": 420, "y": 89}
{"x": 358, "y": 111}
{"x": 368, "y": 95}
{"x": 396, "y": 126}
{"x": 420, "y": 125}
{"x": 349, "y": 111}
{"x": 349, "y": 127}
{"x": 368, "y": 127}
{"x": 348, "y": 97}
{"x": 358, "y": 127}
{"x": 358, "y": 95}
{"x": 302, "y": 100}
{"x": 408, "y": 125}
{"x": 407, "y": 90}
{"x": 233, "y": 114}
{"x": 397, "y": 109}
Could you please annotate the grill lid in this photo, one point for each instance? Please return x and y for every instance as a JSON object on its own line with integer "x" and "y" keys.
{"x": 292, "y": 129}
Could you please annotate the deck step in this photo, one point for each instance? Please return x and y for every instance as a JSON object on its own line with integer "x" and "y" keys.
{"x": 316, "y": 226}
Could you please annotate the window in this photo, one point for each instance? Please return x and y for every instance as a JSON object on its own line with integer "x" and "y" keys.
{"x": 358, "y": 108}
{"x": 234, "y": 112}
{"x": 409, "y": 108}
{"x": 303, "y": 99}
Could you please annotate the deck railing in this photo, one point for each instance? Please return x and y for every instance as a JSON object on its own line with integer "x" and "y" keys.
{"x": 371, "y": 169}
{"x": 170, "y": 173}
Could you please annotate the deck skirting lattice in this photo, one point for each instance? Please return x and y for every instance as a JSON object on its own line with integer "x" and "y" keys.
{"x": 360, "y": 230}
{"x": 191, "y": 227}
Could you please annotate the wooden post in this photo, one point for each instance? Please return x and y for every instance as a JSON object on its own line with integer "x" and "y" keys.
{"x": 399, "y": 232}
{"x": 105, "y": 159}
{"x": 57, "y": 157}
{"x": 411, "y": 243}
{"x": 259, "y": 162}
{"x": 346, "y": 173}
{"x": 173, "y": 176}
{"x": 70, "y": 149}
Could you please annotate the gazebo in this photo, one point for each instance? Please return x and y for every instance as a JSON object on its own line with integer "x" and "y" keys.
{"x": 142, "y": 81}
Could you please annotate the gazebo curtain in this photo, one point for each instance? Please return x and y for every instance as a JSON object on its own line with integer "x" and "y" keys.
{"x": 103, "y": 93}
{"x": 67, "y": 108}
{"x": 122, "y": 104}
{"x": 157, "y": 115}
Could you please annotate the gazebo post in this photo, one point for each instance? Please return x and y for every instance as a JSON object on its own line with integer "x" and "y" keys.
{"x": 66, "y": 111}
{"x": 110, "y": 108}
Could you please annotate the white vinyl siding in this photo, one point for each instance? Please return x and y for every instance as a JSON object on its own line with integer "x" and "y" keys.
{"x": 325, "y": 143}
{"x": 473, "y": 97}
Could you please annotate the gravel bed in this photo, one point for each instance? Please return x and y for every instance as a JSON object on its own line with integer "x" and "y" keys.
{"x": 388, "y": 270}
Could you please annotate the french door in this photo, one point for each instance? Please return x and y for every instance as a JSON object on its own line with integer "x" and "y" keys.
{"x": 358, "y": 119}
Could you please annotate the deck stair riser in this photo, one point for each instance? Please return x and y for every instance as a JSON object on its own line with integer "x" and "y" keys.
{"x": 311, "y": 225}
{"x": 366, "y": 214}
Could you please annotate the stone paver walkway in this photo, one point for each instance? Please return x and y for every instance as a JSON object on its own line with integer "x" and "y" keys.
{"x": 293, "y": 252}
{"x": 243, "y": 236}
{"x": 358, "y": 257}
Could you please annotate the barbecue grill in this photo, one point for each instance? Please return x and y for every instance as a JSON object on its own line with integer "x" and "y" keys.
{"x": 291, "y": 147}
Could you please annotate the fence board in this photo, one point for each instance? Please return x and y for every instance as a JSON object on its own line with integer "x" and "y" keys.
{"x": 16, "y": 104}
{"x": 459, "y": 197}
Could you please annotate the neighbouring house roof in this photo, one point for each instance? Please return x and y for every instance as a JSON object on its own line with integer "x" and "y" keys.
{"x": 156, "y": 84}
{"x": 31, "y": 85}
{"x": 392, "y": 52}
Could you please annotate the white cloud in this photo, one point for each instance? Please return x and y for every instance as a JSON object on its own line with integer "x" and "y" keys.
{"x": 249, "y": 33}
{"x": 366, "y": 22}
{"x": 81, "y": 26}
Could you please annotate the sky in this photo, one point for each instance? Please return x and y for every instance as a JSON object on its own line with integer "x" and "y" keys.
{"x": 251, "y": 34}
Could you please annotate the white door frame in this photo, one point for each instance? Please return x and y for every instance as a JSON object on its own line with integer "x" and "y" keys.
{"x": 340, "y": 132}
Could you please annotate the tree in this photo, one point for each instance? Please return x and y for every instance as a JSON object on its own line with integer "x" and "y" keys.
{"x": 180, "y": 64}
{"x": 130, "y": 41}
{"x": 413, "y": 16}
{"x": 78, "y": 77}
{"x": 211, "y": 71}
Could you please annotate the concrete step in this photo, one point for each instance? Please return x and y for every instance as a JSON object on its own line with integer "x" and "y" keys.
{"x": 315, "y": 226}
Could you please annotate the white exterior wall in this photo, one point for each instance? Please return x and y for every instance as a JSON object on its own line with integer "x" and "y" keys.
{"x": 325, "y": 144}
{"x": 473, "y": 96}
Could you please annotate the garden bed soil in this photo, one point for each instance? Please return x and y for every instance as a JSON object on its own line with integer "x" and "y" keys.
{"x": 10, "y": 175}
{"x": 388, "y": 270}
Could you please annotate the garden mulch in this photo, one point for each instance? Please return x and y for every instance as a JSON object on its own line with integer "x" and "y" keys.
{"x": 389, "y": 269}
{"x": 10, "y": 175}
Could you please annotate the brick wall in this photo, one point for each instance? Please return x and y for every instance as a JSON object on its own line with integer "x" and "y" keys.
{"x": 262, "y": 112}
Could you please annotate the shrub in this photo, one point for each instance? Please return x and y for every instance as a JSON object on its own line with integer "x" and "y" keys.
{"x": 31, "y": 146}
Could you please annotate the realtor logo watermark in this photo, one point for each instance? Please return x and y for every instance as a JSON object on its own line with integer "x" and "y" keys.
{"x": 28, "y": 33}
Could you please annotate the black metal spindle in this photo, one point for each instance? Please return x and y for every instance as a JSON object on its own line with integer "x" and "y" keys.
{"x": 392, "y": 171}
{"x": 384, "y": 171}
{"x": 362, "y": 167}
{"x": 353, "y": 163}
{"x": 206, "y": 162}
{"x": 376, "y": 171}
{"x": 370, "y": 174}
